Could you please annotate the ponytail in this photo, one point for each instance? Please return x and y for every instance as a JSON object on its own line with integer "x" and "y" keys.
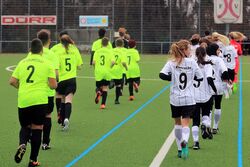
{"x": 66, "y": 40}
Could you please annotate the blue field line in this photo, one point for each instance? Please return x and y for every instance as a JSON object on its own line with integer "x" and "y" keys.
{"x": 240, "y": 164}
{"x": 116, "y": 127}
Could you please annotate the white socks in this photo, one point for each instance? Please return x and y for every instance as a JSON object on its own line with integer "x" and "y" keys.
{"x": 217, "y": 115}
{"x": 206, "y": 121}
{"x": 195, "y": 132}
{"x": 178, "y": 135}
{"x": 185, "y": 133}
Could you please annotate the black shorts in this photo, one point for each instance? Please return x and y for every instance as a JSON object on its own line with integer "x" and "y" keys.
{"x": 117, "y": 81}
{"x": 66, "y": 87}
{"x": 182, "y": 111}
{"x": 231, "y": 74}
{"x": 50, "y": 104}
{"x": 32, "y": 115}
{"x": 102, "y": 83}
{"x": 136, "y": 80}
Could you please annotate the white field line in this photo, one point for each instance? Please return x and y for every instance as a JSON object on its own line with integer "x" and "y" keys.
{"x": 163, "y": 151}
{"x": 11, "y": 68}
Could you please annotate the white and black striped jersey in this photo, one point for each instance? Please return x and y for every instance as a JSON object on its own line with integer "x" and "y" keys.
{"x": 182, "y": 79}
{"x": 203, "y": 91}
{"x": 229, "y": 56}
{"x": 218, "y": 68}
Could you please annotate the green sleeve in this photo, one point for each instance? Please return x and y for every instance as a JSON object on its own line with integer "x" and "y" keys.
{"x": 15, "y": 73}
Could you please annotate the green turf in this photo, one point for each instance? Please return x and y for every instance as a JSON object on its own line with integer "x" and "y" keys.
{"x": 137, "y": 142}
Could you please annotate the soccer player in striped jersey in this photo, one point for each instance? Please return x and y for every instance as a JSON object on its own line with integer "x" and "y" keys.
{"x": 44, "y": 36}
{"x": 221, "y": 76}
{"x": 120, "y": 64}
{"x": 70, "y": 61}
{"x": 203, "y": 97}
{"x": 216, "y": 39}
{"x": 133, "y": 72}
{"x": 234, "y": 37}
{"x": 32, "y": 77}
{"x": 182, "y": 72}
{"x": 103, "y": 62}
{"x": 194, "y": 44}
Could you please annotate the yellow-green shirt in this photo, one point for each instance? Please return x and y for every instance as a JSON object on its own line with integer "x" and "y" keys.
{"x": 119, "y": 55}
{"x": 68, "y": 62}
{"x": 98, "y": 44}
{"x": 53, "y": 59}
{"x": 132, "y": 62}
{"x": 103, "y": 59}
{"x": 33, "y": 73}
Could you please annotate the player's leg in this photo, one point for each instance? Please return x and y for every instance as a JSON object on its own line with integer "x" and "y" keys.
{"x": 177, "y": 128}
{"x": 98, "y": 91}
{"x": 130, "y": 88}
{"x": 47, "y": 124}
{"x": 38, "y": 116}
{"x": 136, "y": 84}
{"x": 104, "y": 94}
{"x": 24, "y": 134}
{"x": 195, "y": 127}
{"x": 205, "y": 108}
{"x": 217, "y": 113}
{"x": 117, "y": 90}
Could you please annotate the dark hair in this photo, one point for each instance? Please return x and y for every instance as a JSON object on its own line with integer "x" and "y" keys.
{"x": 119, "y": 42}
{"x": 212, "y": 49}
{"x": 131, "y": 43}
{"x": 101, "y": 32}
{"x": 36, "y": 46}
{"x": 63, "y": 32}
{"x": 44, "y": 36}
{"x": 207, "y": 33}
{"x": 105, "y": 41}
{"x": 201, "y": 54}
{"x": 205, "y": 40}
{"x": 66, "y": 40}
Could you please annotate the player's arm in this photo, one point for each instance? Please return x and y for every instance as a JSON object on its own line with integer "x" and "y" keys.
{"x": 165, "y": 73}
{"x": 14, "y": 82}
{"x": 52, "y": 83}
{"x": 210, "y": 81}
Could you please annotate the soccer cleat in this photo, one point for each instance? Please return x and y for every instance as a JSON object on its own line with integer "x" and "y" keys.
{"x": 215, "y": 131}
{"x": 179, "y": 153}
{"x": 196, "y": 145}
{"x": 103, "y": 106}
{"x": 210, "y": 134}
{"x": 98, "y": 96}
{"x": 117, "y": 102}
{"x": 33, "y": 163}
{"x": 45, "y": 147}
{"x": 20, "y": 152}
{"x": 136, "y": 87}
{"x": 66, "y": 124}
{"x": 204, "y": 132}
{"x": 131, "y": 98}
{"x": 184, "y": 149}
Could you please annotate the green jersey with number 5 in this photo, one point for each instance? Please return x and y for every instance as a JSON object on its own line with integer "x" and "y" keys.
{"x": 68, "y": 62}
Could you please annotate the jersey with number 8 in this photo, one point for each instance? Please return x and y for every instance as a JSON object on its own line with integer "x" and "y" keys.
{"x": 182, "y": 80}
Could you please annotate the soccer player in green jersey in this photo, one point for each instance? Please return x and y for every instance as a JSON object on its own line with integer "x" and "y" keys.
{"x": 98, "y": 44}
{"x": 103, "y": 63}
{"x": 120, "y": 64}
{"x": 44, "y": 36}
{"x": 69, "y": 61}
{"x": 133, "y": 73}
{"x": 32, "y": 77}
{"x": 56, "y": 48}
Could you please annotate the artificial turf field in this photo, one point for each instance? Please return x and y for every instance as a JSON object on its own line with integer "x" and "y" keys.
{"x": 137, "y": 141}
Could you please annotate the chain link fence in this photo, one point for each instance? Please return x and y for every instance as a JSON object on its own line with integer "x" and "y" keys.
{"x": 154, "y": 24}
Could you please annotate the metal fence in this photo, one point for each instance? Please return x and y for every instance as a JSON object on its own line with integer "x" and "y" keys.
{"x": 154, "y": 24}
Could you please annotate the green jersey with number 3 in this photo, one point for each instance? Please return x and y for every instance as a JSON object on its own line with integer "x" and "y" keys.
{"x": 103, "y": 58}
